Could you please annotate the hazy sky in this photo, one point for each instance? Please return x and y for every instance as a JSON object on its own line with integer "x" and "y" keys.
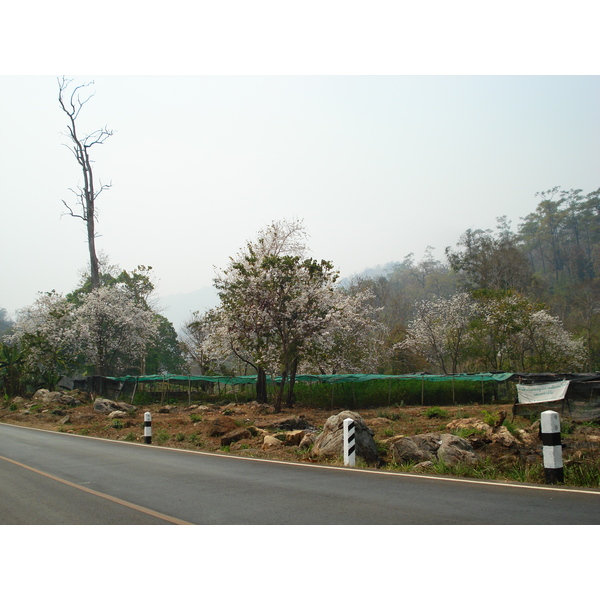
{"x": 377, "y": 166}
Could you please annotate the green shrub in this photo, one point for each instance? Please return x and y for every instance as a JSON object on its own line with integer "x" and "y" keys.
{"x": 180, "y": 437}
{"x": 116, "y": 424}
{"x": 195, "y": 418}
{"x": 435, "y": 412}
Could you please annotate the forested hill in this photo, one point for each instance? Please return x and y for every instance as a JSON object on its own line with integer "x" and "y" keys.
{"x": 551, "y": 257}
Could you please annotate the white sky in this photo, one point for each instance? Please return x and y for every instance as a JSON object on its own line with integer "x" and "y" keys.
{"x": 382, "y": 139}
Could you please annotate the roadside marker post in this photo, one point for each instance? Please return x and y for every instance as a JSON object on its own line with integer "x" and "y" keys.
{"x": 552, "y": 447}
{"x": 147, "y": 428}
{"x": 349, "y": 443}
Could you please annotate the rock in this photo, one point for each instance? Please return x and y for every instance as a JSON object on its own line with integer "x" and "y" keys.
{"x": 256, "y": 431}
{"x": 471, "y": 423}
{"x": 271, "y": 442}
{"x": 330, "y": 442}
{"x": 117, "y": 414}
{"x": 308, "y": 440}
{"x": 235, "y": 436}
{"x": 423, "y": 465}
{"x": 428, "y": 442}
{"x": 65, "y": 420}
{"x": 431, "y": 447}
{"x": 293, "y": 438}
{"x": 220, "y": 425}
{"x": 404, "y": 450}
{"x": 79, "y": 396}
{"x": 454, "y": 450}
{"x": 504, "y": 437}
{"x": 291, "y": 423}
{"x": 105, "y": 406}
{"x": 43, "y": 395}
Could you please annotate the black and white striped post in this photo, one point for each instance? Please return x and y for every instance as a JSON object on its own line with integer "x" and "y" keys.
{"x": 147, "y": 428}
{"x": 349, "y": 443}
{"x": 552, "y": 447}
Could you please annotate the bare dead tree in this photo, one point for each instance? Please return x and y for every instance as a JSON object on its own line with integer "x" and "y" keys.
{"x": 80, "y": 145}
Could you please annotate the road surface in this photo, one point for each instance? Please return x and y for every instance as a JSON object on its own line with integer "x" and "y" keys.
{"x": 53, "y": 478}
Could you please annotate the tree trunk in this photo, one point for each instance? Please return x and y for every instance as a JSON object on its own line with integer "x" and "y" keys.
{"x": 261, "y": 385}
{"x": 290, "y": 394}
{"x": 279, "y": 395}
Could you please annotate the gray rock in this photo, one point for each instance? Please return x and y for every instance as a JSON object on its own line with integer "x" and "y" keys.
{"x": 117, "y": 414}
{"x": 235, "y": 436}
{"x": 105, "y": 406}
{"x": 432, "y": 447}
{"x": 454, "y": 450}
{"x": 291, "y": 424}
{"x": 308, "y": 440}
{"x": 330, "y": 442}
{"x": 404, "y": 450}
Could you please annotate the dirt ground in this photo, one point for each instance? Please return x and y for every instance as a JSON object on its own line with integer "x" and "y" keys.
{"x": 203, "y": 427}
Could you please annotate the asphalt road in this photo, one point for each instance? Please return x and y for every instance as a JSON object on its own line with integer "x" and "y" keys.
{"x": 52, "y": 478}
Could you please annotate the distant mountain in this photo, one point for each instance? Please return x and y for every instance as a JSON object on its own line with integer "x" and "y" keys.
{"x": 372, "y": 272}
{"x": 179, "y": 307}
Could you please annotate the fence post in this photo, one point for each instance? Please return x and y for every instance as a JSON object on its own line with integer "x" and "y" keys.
{"x": 552, "y": 448}
{"x": 349, "y": 443}
{"x": 147, "y": 428}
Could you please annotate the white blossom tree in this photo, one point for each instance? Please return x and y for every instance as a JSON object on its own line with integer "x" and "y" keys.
{"x": 113, "y": 330}
{"x": 45, "y": 330}
{"x": 548, "y": 346}
{"x": 441, "y": 331}
{"x": 280, "y": 307}
{"x": 500, "y": 331}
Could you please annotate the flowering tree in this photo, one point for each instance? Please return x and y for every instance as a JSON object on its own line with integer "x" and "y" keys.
{"x": 279, "y": 308}
{"x": 513, "y": 333}
{"x": 45, "y": 331}
{"x": 113, "y": 330}
{"x": 549, "y": 346}
{"x": 353, "y": 341}
{"x": 440, "y": 331}
{"x": 501, "y": 331}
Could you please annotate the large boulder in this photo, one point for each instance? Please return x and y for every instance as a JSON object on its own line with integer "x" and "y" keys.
{"x": 454, "y": 450}
{"x": 432, "y": 447}
{"x": 330, "y": 443}
{"x": 47, "y": 397}
{"x": 219, "y": 426}
{"x": 43, "y": 395}
{"x": 405, "y": 450}
{"x": 102, "y": 405}
{"x": 241, "y": 433}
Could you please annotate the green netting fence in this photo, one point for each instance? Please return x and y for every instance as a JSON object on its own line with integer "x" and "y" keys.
{"x": 351, "y": 390}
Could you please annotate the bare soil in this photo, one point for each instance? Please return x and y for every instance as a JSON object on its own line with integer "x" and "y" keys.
{"x": 191, "y": 427}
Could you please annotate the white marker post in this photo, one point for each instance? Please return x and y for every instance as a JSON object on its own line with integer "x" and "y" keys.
{"x": 552, "y": 449}
{"x": 147, "y": 428}
{"x": 349, "y": 443}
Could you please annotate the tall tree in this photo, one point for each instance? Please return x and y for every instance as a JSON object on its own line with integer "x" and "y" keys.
{"x": 280, "y": 308}
{"x": 72, "y": 102}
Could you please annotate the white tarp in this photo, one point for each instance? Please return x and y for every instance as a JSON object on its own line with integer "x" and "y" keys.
{"x": 545, "y": 392}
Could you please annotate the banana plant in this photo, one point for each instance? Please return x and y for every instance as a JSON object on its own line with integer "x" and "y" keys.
{"x": 12, "y": 360}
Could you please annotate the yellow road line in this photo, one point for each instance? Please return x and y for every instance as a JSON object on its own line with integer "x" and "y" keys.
{"x": 141, "y": 509}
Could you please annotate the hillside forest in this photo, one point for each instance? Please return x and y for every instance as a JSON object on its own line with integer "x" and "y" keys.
{"x": 522, "y": 298}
